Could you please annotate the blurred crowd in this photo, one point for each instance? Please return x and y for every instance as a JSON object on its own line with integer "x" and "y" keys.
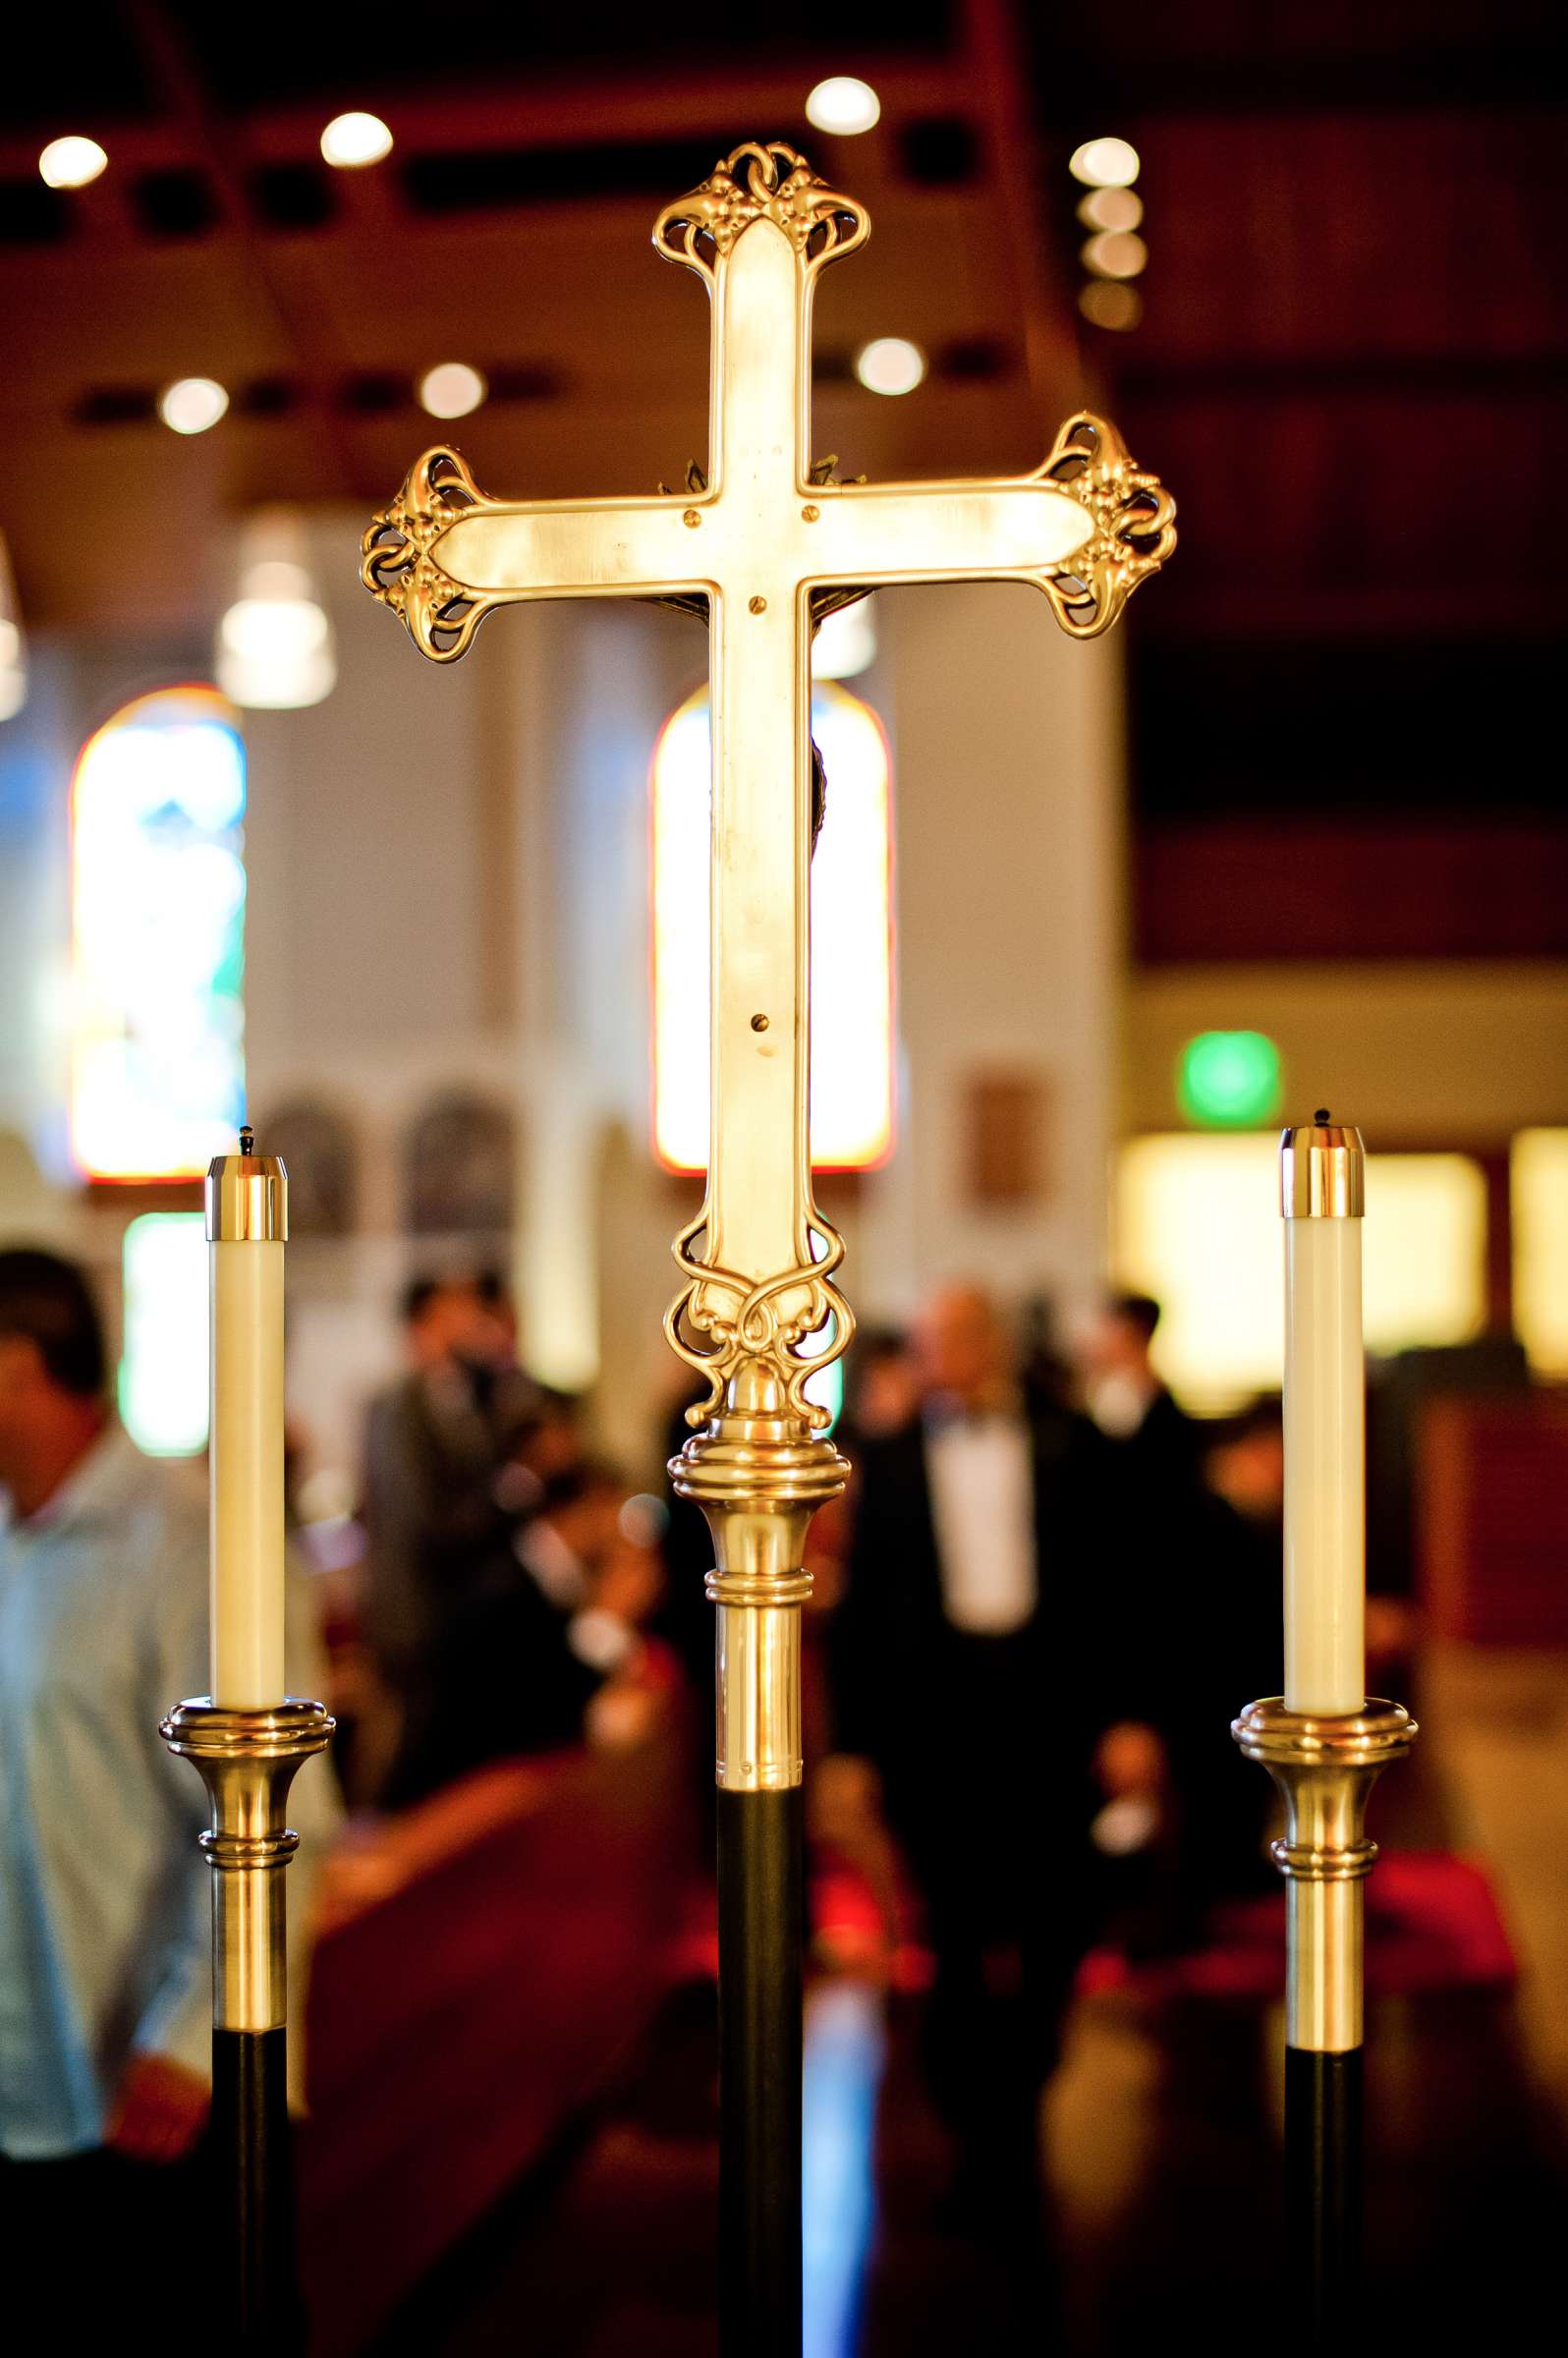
{"x": 1044, "y": 1597}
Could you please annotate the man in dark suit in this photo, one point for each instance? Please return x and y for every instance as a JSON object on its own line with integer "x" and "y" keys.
{"x": 970, "y": 1677}
{"x": 1157, "y": 1443}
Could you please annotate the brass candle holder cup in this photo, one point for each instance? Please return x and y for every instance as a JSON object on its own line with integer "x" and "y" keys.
{"x": 1324, "y": 1766}
{"x": 248, "y": 1760}
{"x": 758, "y": 1474}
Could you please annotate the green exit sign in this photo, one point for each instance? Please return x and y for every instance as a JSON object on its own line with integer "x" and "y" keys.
{"x": 1229, "y": 1080}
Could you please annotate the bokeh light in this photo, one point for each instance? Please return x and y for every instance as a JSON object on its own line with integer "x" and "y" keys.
{"x": 1104, "y": 163}
{"x": 1229, "y": 1080}
{"x": 1111, "y": 208}
{"x": 71, "y": 162}
{"x": 191, "y": 404}
{"x": 451, "y": 390}
{"x": 354, "y": 139}
{"x": 1115, "y": 253}
{"x": 890, "y": 364}
{"x": 1110, "y": 303}
{"x": 842, "y": 106}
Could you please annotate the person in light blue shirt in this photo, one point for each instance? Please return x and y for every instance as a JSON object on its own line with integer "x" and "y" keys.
{"x": 105, "y": 1901}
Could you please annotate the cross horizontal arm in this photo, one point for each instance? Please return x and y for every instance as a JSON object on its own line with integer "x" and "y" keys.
{"x": 1086, "y": 528}
{"x": 443, "y": 554}
{"x": 944, "y": 531}
{"x": 634, "y": 546}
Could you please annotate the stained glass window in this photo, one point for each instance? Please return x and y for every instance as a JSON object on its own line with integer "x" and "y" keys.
{"x": 163, "y": 1365}
{"x": 851, "y": 962}
{"x": 157, "y": 807}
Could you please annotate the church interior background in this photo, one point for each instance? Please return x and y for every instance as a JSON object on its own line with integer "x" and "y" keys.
{"x": 1089, "y": 924}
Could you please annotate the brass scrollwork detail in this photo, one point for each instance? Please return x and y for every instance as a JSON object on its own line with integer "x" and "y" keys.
{"x": 748, "y": 1322}
{"x": 396, "y": 567}
{"x": 1133, "y": 518}
{"x": 761, "y": 182}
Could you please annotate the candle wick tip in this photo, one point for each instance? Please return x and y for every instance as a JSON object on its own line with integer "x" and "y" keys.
{"x": 1320, "y": 1117}
{"x": 248, "y": 1139}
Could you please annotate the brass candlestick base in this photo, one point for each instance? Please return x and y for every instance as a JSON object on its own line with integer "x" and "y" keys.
{"x": 1324, "y": 1766}
{"x": 758, "y": 1474}
{"x": 247, "y": 1761}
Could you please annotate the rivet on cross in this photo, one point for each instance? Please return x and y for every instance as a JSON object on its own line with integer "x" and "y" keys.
{"x": 1086, "y": 528}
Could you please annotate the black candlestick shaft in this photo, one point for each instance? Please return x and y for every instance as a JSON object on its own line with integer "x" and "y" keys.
{"x": 254, "y": 2165}
{"x": 1324, "y": 2189}
{"x": 762, "y": 1922}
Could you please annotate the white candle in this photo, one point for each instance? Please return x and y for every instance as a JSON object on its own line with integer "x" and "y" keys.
{"x": 1322, "y": 1196}
{"x": 247, "y": 1221}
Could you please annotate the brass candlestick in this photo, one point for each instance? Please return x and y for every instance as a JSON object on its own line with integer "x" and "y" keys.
{"x": 248, "y": 1760}
{"x": 1324, "y": 1767}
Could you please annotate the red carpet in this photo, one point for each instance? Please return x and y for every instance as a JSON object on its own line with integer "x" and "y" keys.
{"x": 1432, "y": 1923}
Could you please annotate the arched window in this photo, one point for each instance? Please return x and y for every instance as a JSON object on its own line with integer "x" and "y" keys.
{"x": 321, "y": 1156}
{"x": 157, "y": 870}
{"x": 852, "y": 950}
{"x": 461, "y": 1168}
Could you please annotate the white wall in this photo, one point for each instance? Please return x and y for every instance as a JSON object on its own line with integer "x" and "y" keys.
{"x": 1457, "y": 1053}
{"x": 448, "y": 886}
{"x": 1007, "y": 787}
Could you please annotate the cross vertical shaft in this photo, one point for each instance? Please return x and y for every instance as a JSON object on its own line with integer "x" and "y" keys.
{"x": 758, "y": 1176}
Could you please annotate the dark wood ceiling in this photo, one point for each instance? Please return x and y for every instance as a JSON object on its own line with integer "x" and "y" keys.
{"x": 1350, "y": 365}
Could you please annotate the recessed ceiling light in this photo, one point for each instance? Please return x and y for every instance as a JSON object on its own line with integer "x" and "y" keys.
{"x": 1104, "y": 163}
{"x": 1115, "y": 253}
{"x": 1111, "y": 208}
{"x": 451, "y": 390}
{"x": 890, "y": 364}
{"x": 352, "y": 139}
{"x": 1110, "y": 303}
{"x": 844, "y": 105}
{"x": 191, "y": 404}
{"x": 70, "y": 163}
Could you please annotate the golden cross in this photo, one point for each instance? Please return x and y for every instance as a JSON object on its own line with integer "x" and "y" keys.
{"x": 756, "y": 542}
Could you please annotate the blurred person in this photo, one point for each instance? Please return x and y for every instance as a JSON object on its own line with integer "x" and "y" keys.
{"x": 496, "y": 1300}
{"x": 1217, "y": 1632}
{"x": 543, "y": 1617}
{"x": 881, "y": 1386}
{"x": 1245, "y": 1466}
{"x": 105, "y": 1899}
{"x": 1046, "y": 1372}
{"x": 968, "y": 1659}
{"x": 435, "y": 1444}
{"x": 1130, "y": 1401}
{"x": 546, "y": 1440}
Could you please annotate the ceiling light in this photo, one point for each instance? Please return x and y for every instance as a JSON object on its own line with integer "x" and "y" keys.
{"x": 191, "y": 404}
{"x": 1111, "y": 208}
{"x": 451, "y": 390}
{"x": 352, "y": 139}
{"x": 890, "y": 364}
{"x": 13, "y": 643}
{"x": 844, "y": 105}
{"x": 275, "y": 649}
{"x": 70, "y": 163}
{"x": 1104, "y": 163}
{"x": 1115, "y": 253}
{"x": 846, "y": 642}
{"x": 1108, "y": 303}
